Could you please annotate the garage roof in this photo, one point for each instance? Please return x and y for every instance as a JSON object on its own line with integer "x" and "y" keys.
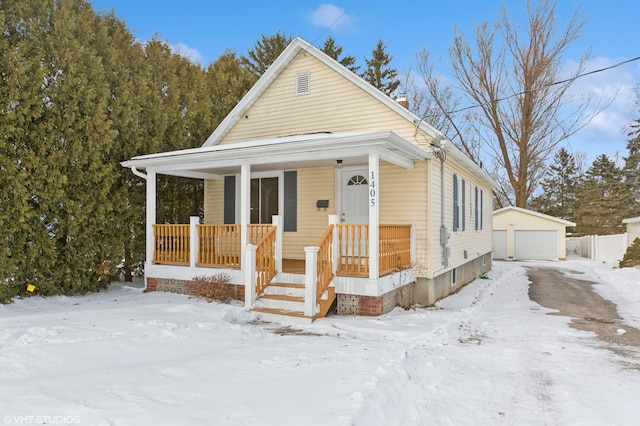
{"x": 532, "y": 213}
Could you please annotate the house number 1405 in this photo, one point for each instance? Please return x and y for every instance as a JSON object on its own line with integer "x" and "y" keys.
{"x": 372, "y": 189}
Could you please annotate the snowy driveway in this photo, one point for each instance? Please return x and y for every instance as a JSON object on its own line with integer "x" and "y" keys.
{"x": 555, "y": 287}
{"x": 487, "y": 355}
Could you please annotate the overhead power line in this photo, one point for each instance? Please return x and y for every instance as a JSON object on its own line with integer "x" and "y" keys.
{"x": 544, "y": 86}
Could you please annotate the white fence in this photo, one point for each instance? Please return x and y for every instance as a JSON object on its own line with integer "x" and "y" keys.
{"x": 601, "y": 248}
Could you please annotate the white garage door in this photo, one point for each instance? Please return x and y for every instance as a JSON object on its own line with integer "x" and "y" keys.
{"x": 500, "y": 244}
{"x": 536, "y": 245}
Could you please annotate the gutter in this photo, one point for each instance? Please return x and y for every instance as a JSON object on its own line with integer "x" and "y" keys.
{"x": 138, "y": 173}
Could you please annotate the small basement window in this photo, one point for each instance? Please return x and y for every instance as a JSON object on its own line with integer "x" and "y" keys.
{"x": 302, "y": 83}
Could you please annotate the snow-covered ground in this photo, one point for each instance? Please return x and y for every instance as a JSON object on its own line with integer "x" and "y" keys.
{"x": 487, "y": 355}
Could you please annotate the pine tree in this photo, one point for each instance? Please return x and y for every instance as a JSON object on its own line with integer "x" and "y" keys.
{"x": 334, "y": 51}
{"x": 264, "y": 52}
{"x": 227, "y": 83}
{"x": 560, "y": 186}
{"x": 378, "y": 72}
{"x": 601, "y": 202}
{"x": 631, "y": 171}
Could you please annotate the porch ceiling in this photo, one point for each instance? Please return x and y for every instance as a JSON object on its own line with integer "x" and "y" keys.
{"x": 290, "y": 152}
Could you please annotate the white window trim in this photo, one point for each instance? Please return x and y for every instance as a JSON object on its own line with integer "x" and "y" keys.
{"x": 274, "y": 173}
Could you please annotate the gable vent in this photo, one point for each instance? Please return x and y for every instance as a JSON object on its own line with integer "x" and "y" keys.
{"x": 302, "y": 83}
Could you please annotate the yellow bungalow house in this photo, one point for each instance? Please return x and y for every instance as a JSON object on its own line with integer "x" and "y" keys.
{"x": 320, "y": 187}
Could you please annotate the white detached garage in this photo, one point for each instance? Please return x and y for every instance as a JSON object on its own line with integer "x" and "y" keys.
{"x": 527, "y": 235}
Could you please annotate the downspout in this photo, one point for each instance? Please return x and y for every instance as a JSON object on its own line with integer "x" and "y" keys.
{"x": 439, "y": 152}
{"x": 444, "y": 232}
{"x": 138, "y": 173}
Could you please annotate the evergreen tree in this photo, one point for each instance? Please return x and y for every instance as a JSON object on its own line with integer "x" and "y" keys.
{"x": 265, "y": 51}
{"x": 133, "y": 114}
{"x": 631, "y": 171}
{"x": 29, "y": 186}
{"x": 227, "y": 83}
{"x": 378, "y": 72}
{"x": 560, "y": 185}
{"x": 86, "y": 244}
{"x": 184, "y": 105}
{"x": 600, "y": 207}
{"x": 334, "y": 50}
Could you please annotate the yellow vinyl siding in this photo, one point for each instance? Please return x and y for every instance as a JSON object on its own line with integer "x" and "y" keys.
{"x": 403, "y": 200}
{"x": 334, "y": 105}
{"x": 313, "y": 184}
{"x": 214, "y": 201}
{"x": 475, "y": 242}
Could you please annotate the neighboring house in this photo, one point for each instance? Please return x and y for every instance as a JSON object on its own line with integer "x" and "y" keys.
{"x": 527, "y": 235}
{"x": 318, "y": 186}
{"x": 633, "y": 229}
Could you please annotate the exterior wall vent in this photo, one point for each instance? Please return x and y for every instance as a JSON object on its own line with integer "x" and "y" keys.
{"x": 302, "y": 83}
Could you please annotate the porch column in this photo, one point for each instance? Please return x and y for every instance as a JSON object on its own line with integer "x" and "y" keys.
{"x": 250, "y": 274}
{"x": 374, "y": 218}
{"x": 310, "y": 280}
{"x": 333, "y": 220}
{"x": 194, "y": 240}
{"x": 245, "y": 204}
{"x": 278, "y": 222}
{"x": 151, "y": 215}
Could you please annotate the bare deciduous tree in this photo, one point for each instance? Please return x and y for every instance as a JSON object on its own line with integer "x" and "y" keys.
{"x": 514, "y": 77}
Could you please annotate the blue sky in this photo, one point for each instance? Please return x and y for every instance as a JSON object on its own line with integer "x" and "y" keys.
{"x": 204, "y": 29}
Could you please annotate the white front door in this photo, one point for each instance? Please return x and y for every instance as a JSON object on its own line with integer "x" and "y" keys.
{"x": 355, "y": 196}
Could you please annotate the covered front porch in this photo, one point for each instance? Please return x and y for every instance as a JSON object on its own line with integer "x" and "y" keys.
{"x": 351, "y": 257}
{"x": 342, "y": 254}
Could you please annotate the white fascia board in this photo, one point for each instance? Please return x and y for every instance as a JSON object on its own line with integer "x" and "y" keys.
{"x": 191, "y": 173}
{"x": 290, "y": 149}
{"x": 631, "y": 220}
{"x": 393, "y": 158}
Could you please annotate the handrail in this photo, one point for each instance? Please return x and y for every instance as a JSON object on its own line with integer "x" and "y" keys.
{"x": 265, "y": 260}
{"x": 257, "y": 231}
{"x": 171, "y": 244}
{"x": 325, "y": 262}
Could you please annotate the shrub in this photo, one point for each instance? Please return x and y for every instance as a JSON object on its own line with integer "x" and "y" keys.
{"x": 632, "y": 256}
{"x": 212, "y": 287}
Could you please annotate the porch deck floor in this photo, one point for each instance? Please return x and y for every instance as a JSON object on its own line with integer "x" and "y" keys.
{"x": 293, "y": 266}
